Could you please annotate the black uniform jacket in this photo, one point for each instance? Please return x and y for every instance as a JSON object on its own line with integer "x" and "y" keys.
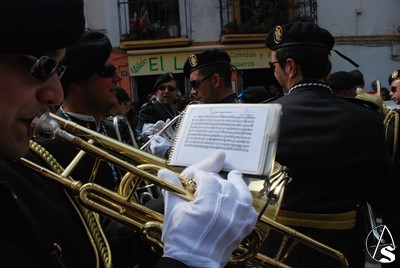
{"x": 39, "y": 227}
{"x": 337, "y": 157}
{"x": 335, "y": 152}
{"x": 155, "y": 111}
{"x": 229, "y": 99}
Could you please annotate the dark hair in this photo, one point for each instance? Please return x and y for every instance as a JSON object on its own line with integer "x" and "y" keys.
{"x": 223, "y": 69}
{"x": 360, "y": 78}
{"x": 314, "y": 61}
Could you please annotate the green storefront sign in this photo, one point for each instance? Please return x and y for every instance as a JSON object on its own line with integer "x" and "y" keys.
{"x": 158, "y": 63}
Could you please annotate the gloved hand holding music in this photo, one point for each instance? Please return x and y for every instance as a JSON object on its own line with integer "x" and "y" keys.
{"x": 159, "y": 146}
{"x": 205, "y": 232}
{"x": 212, "y": 164}
{"x": 160, "y": 124}
{"x": 147, "y": 130}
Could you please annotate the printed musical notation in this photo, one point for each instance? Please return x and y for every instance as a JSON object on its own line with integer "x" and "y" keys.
{"x": 220, "y": 131}
{"x": 248, "y": 134}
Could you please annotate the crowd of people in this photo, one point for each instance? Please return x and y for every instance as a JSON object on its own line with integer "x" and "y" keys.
{"x": 338, "y": 142}
{"x": 44, "y": 224}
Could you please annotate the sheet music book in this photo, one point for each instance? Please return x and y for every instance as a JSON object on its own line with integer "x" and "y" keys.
{"x": 248, "y": 133}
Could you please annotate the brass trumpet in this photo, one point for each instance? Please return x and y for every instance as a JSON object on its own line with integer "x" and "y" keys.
{"x": 122, "y": 206}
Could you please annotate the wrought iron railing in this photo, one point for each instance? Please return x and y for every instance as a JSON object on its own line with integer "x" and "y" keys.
{"x": 148, "y": 19}
{"x": 155, "y": 19}
{"x": 259, "y": 16}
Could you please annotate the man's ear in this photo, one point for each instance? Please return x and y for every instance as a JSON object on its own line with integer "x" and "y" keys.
{"x": 216, "y": 80}
{"x": 292, "y": 68}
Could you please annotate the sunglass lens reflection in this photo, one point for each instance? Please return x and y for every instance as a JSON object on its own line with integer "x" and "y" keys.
{"x": 107, "y": 71}
{"x": 169, "y": 88}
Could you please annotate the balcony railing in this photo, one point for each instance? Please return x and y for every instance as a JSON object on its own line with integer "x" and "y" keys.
{"x": 148, "y": 19}
{"x": 259, "y": 16}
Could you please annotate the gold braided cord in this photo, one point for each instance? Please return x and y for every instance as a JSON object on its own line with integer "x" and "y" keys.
{"x": 392, "y": 115}
{"x": 89, "y": 218}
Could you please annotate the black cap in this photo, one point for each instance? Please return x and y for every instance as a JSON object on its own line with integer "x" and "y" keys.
{"x": 164, "y": 78}
{"x": 205, "y": 58}
{"x": 299, "y": 34}
{"x": 255, "y": 94}
{"x": 39, "y": 26}
{"x": 342, "y": 80}
{"x": 302, "y": 34}
{"x": 86, "y": 57}
{"x": 395, "y": 75}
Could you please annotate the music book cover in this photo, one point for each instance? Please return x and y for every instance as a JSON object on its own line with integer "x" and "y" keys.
{"x": 248, "y": 133}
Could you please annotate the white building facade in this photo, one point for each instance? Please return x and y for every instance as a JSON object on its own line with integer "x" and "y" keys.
{"x": 367, "y": 31}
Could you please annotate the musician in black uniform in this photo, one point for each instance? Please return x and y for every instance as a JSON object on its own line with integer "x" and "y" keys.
{"x": 42, "y": 224}
{"x": 334, "y": 149}
{"x": 343, "y": 84}
{"x": 89, "y": 85}
{"x": 116, "y": 123}
{"x": 160, "y": 110}
{"x": 39, "y": 227}
{"x": 210, "y": 75}
{"x": 165, "y": 88}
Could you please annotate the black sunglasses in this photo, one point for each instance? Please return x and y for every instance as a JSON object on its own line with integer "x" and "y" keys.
{"x": 393, "y": 89}
{"x": 169, "y": 88}
{"x": 107, "y": 71}
{"x": 44, "y": 67}
{"x": 196, "y": 83}
{"x": 272, "y": 64}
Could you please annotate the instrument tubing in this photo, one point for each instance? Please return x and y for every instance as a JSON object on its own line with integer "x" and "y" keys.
{"x": 336, "y": 221}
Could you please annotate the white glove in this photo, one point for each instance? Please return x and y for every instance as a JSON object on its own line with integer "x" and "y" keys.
{"x": 160, "y": 124}
{"x": 205, "y": 232}
{"x": 147, "y": 129}
{"x": 159, "y": 146}
{"x": 212, "y": 164}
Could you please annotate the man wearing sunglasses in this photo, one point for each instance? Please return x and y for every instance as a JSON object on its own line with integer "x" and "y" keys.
{"x": 40, "y": 228}
{"x": 89, "y": 84}
{"x": 42, "y": 224}
{"x": 154, "y": 115}
{"x": 210, "y": 75}
{"x": 90, "y": 88}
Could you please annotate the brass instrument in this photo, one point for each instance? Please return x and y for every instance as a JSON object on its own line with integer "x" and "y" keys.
{"x": 167, "y": 132}
{"x": 121, "y": 206}
{"x": 146, "y": 191}
{"x": 117, "y": 121}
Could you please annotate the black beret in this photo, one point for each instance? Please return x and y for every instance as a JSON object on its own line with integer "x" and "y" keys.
{"x": 164, "y": 78}
{"x": 299, "y": 34}
{"x": 122, "y": 95}
{"x": 255, "y": 94}
{"x": 205, "y": 58}
{"x": 395, "y": 75}
{"x": 342, "y": 80}
{"x": 39, "y": 26}
{"x": 86, "y": 57}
